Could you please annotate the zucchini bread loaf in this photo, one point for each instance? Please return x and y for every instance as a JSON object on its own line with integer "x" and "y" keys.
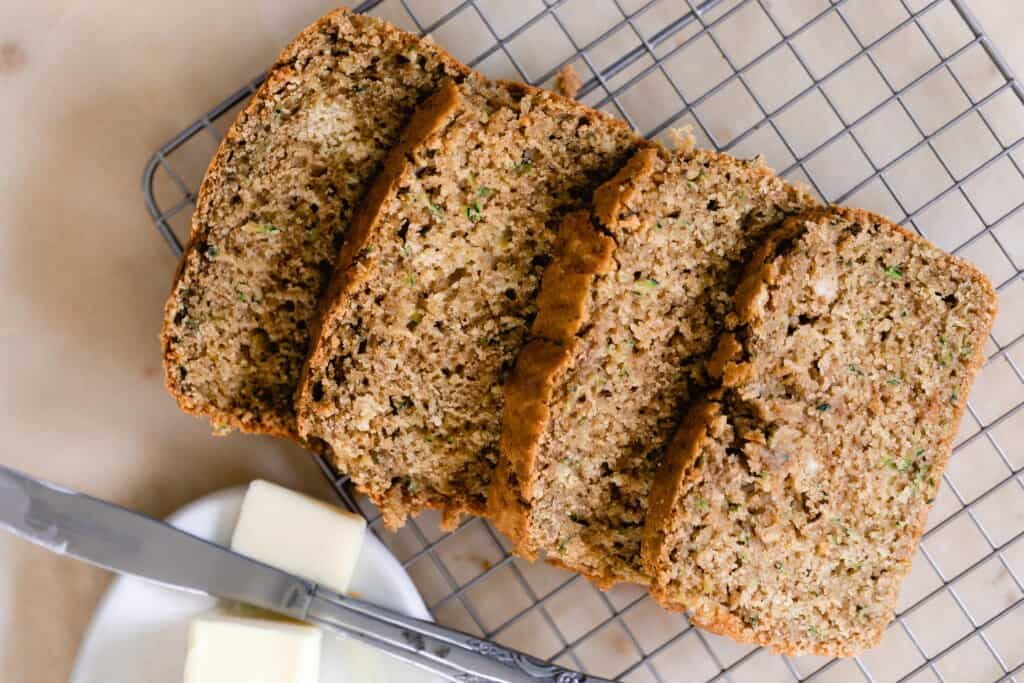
{"x": 630, "y": 304}
{"x": 789, "y": 506}
{"x": 436, "y": 289}
{"x": 273, "y": 211}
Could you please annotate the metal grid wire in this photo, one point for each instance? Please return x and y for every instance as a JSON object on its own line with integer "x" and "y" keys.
{"x": 903, "y": 106}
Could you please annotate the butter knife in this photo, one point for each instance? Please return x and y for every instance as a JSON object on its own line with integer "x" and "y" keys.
{"x": 103, "y": 534}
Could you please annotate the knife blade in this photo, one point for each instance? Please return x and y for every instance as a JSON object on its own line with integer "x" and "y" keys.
{"x": 123, "y": 541}
{"x": 112, "y": 537}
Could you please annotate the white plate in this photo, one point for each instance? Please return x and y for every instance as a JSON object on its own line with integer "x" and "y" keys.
{"x": 139, "y": 632}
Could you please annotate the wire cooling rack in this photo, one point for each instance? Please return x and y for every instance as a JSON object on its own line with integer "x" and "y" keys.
{"x": 901, "y": 106}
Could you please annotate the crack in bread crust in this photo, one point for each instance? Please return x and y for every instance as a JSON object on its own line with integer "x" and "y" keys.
{"x": 787, "y": 513}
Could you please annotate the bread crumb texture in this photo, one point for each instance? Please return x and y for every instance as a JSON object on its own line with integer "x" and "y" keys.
{"x": 617, "y": 350}
{"x": 405, "y": 380}
{"x": 568, "y": 81}
{"x": 790, "y": 505}
{"x": 274, "y": 209}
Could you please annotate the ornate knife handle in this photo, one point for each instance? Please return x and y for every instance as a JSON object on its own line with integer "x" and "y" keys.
{"x": 535, "y": 668}
{"x": 452, "y": 654}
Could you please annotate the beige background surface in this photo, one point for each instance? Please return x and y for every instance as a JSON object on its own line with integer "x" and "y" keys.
{"x": 90, "y": 89}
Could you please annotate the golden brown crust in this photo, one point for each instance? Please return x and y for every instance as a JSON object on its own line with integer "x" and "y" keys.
{"x": 723, "y": 623}
{"x": 527, "y": 393}
{"x": 581, "y": 253}
{"x": 602, "y": 581}
{"x": 726, "y": 350}
{"x": 568, "y": 81}
{"x": 760, "y": 270}
{"x": 283, "y": 69}
{"x": 610, "y": 197}
{"x": 677, "y": 473}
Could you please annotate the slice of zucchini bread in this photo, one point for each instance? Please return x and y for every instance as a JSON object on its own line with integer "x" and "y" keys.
{"x": 789, "y": 506}
{"x": 273, "y": 211}
{"x": 437, "y": 289}
{"x": 630, "y": 304}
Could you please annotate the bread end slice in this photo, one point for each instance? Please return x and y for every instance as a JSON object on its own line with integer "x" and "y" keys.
{"x": 527, "y": 392}
{"x": 789, "y": 506}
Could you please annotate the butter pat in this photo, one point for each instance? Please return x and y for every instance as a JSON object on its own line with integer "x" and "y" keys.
{"x": 223, "y": 648}
{"x": 299, "y": 534}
